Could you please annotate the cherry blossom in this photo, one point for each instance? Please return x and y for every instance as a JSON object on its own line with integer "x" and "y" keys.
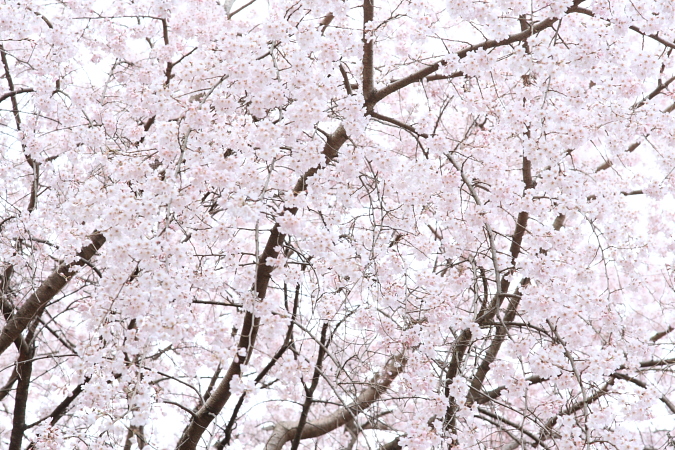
{"x": 337, "y": 224}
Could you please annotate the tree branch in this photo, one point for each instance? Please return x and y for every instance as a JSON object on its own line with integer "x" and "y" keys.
{"x": 286, "y": 431}
{"x": 24, "y": 369}
{"x": 492, "y": 351}
{"x": 368, "y": 42}
{"x": 45, "y": 293}
{"x": 419, "y": 75}
{"x": 666, "y": 401}
{"x": 212, "y": 407}
{"x": 9, "y": 94}
{"x": 309, "y": 392}
{"x": 288, "y": 341}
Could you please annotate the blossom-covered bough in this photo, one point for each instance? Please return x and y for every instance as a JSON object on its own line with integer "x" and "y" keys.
{"x": 335, "y": 224}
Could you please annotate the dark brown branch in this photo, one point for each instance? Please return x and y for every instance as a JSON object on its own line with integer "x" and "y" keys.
{"x": 487, "y": 312}
{"x": 24, "y": 369}
{"x": 288, "y": 341}
{"x": 518, "y": 37}
{"x": 527, "y": 174}
{"x": 10, "y": 84}
{"x": 44, "y": 19}
{"x": 392, "y": 445}
{"x": 397, "y": 123}
{"x": 61, "y": 409}
{"x": 485, "y": 397}
{"x": 662, "y": 86}
{"x": 485, "y": 315}
{"x": 518, "y": 234}
{"x": 148, "y": 123}
{"x": 330, "y": 150}
{"x": 165, "y": 31}
{"x": 208, "y": 302}
{"x": 656, "y": 363}
{"x": 513, "y": 425}
{"x": 492, "y": 351}
{"x": 368, "y": 43}
{"x": 212, "y": 407}
{"x": 397, "y": 85}
{"x": 7, "y": 388}
{"x": 328, "y": 18}
{"x": 345, "y": 79}
{"x": 656, "y": 37}
{"x": 184, "y": 408}
{"x": 7, "y": 312}
{"x": 17, "y": 119}
{"x": 461, "y": 347}
{"x": 309, "y": 391}
{"x": 575, "y": 407}
{"x": 241, "y": 8}
{"x": 45, "y": 293}
{"x": 127, "y": 441}
{"x": 438, "y": 77}
{"x": 4, "y": 221}
{"x": 486, "y": 45}
{"x": 9, "y": 94}
{"x": 212, "y": 383}
{"x": 666, "y": 401}
{"x": 661, "y": 334}
{"x": 286, "y": 431}
{"x": 403, "y": 82}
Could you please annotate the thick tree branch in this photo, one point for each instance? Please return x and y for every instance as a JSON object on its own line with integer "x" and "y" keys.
{"x": 662, "y": 86}
{"x": 656, "y": 37}
{"x": 288, "y": 341}
{"x": 7, "y": 388}
{"x": 212, "y": 407}
{"x": 10, "y": 84}
{"x": 9, "y": 94}
{"x": 286, "y": 431}
{"x": 45, "y": 293}
{"x": 486, "y": 45}
{"x": 397, "y": 85}
{"x": 461, "y": 346}
{"x": 368, "y": 43}
{"x": 62, "y": 407}
{"x": 392, "y": 445}
{"x": 518, "y": 234}
{"x": 476, "y": 385}
{"x": 24, "y": 369}
{"x": 661, "y": 334}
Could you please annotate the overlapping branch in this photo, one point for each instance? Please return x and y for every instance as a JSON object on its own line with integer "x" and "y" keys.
{"x": 286, "y": 431}
{"x": 215, "y": 403}
{"x": 46, "y": 292}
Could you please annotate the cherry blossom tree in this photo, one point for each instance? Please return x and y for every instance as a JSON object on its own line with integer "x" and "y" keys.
{"x": 337, "y": 224}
